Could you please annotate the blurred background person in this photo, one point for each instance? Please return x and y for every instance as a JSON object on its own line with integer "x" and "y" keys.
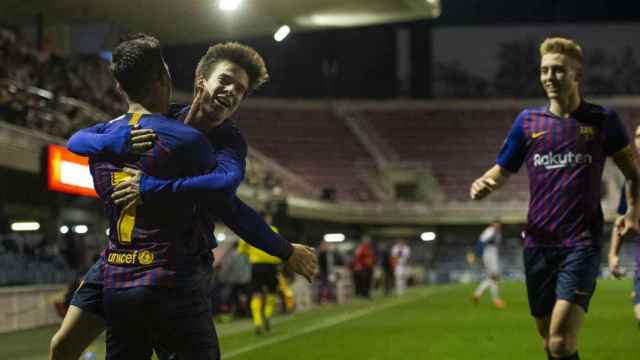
{"x": 401, "y": 252}
{"x": 363, "y": 264}
{"x": 486, "y": 248}
{"x": 264, "y": 282}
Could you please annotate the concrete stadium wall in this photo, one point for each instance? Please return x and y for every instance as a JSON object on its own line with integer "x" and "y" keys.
{"x": 26, "y": 307}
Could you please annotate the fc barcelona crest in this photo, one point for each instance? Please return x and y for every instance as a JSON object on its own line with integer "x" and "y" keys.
{"x": 587, "y": 133}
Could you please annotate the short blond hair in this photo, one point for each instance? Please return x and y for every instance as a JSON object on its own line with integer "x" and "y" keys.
{"x": 560, "y": 45}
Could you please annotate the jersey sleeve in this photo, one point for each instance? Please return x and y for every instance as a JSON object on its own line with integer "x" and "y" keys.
{"x": 514, "y": 149}
{"x": 99, "y": 139}
{"x": 250, "y": 226}
{"x": 622, "y": 205}
{"x": 228, "y": 136}
{"x": 224, "y": 179}
{"x": 616, "y": 138}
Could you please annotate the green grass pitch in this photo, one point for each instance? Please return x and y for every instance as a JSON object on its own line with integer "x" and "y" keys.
{"x": 428, "y": 323}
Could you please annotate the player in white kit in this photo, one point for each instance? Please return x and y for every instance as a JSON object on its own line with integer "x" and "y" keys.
{"x": 401, "y": 252}
{"x": 487, "y": 248}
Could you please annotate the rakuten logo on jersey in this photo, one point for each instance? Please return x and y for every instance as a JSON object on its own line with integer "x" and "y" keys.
{"x": 556, "y": 161}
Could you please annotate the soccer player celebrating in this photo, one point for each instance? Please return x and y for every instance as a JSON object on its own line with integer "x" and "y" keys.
{"x": 486, "y": 248}
{"x": 138, "y": 272}
{"x": 564, "y": 146}
{"x": 616, "y": 243}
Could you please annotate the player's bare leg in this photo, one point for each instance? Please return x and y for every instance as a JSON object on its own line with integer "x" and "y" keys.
{"x": 566, "y": 322}
{"x": 636, "y": 310}
{"x": 477, "y": 294}
{"x": 78, "y": 329}
{"x": 542, "y": 325}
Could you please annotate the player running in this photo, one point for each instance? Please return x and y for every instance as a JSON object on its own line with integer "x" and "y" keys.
{"x": 487, "y": 248}
{"x": 564, "y": 145}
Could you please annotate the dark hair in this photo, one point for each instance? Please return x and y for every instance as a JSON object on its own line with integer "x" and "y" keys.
{"x": 244, "y": 56}
{"x": 137, "y": 62}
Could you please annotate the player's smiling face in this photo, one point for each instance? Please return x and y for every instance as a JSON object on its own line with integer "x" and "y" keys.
{"x": 228, "y": 84}
{"x": 558, "y": 75}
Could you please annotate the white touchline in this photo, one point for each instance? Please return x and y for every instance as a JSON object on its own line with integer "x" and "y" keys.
{"x": 330, "y": 322}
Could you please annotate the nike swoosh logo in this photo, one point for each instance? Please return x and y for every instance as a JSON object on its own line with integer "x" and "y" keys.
{"x": 536, "y": 135}
{"x": 578, "y": 292}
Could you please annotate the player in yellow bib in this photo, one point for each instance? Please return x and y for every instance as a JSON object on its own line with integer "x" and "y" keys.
{"x": 264, "y": 282}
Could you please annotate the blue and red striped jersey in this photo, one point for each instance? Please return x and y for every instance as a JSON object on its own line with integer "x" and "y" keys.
{"x": 157, "y": 242}
{"x": 212, "y": 192}
{"x": 565, "y": 159}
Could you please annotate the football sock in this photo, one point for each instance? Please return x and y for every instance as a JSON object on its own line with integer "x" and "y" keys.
{"x": 256, "y": 310}
{"x": 268, "y": 308}
{"x": 481, "y": 288}
{"x": 493, "y": 287}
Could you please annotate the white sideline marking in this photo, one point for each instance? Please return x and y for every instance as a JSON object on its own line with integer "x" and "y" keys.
{"x": 330, "y": 322}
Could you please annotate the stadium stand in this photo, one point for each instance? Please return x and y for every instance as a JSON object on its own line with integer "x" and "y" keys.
{"x": 446, "y": 140}
{"x": 308, "y": 150}
{"x": 24, "y": 261}
{"x": 83, "y": 77}
{"x": 313, "y": 143}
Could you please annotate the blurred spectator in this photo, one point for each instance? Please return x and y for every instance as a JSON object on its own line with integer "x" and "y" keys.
{"x": 83, "y": 77}
{"x": 35, "y": 86}
{"x": 363, "y": 263}
{"x": 328, "y": 259}
{"x": 401, "y": 252}
{"x": 387, "y": 262}
{"x": 235, "y": 274}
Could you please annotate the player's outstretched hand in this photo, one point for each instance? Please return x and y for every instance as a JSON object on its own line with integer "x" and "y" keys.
{"x": 127, "y": 193}
{"x": 627, "y": 226}
{"x": 303, "y": 261}
{"x": 141, "y": 140}
{"x": 614, "y": 267}
{"x": 482, "y": 187}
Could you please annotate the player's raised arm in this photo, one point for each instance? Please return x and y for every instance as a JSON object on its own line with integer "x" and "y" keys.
{"x": 223, "y": 180}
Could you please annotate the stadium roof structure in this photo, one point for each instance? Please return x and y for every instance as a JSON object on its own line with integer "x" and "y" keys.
{"x": 188, "y": 21}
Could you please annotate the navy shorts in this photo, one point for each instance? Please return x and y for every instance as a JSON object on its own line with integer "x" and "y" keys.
{"x": 179, "y": 319}
{"x": 636, "y": 287}
{"x": 264, "y": 278}
{"x": 560, "y": 274}
{"x": 88, "y": 296}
